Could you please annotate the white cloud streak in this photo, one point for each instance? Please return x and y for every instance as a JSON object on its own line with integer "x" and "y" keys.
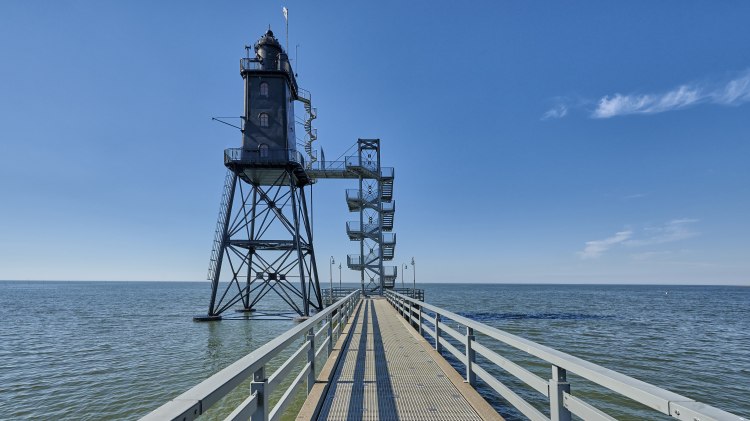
{"x": 558, "y": 111}
{"x": 674, "y": 230}
{"x": 595, "y": 248}
{"x": 734, "y": 92}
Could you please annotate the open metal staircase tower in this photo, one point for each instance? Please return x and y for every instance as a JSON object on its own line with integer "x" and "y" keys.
{"x": 373, "y": 203}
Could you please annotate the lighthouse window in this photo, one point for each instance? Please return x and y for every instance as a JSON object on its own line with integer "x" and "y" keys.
{"x": 264, "y": 89}
{"x": 263, "y": 117}
{"x": 263, "y": 150}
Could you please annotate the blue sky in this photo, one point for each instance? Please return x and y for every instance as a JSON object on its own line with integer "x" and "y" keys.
{"x": 595, "y": 142}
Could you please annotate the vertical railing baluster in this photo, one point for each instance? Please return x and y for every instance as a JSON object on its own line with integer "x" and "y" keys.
{"x": 330, "y": 334}
{"x": 338, "y": 321}
{"x": 558, "y": 385}
{"x": 259, "y": 386}
{"x": 420, "y": 320}
{"x": 471, "y": 376}
{"x": 438, "y": 346}
{"x": 311, "y": 359}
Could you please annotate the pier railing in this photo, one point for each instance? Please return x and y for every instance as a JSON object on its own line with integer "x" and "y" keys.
{"x": 317, "y": 333}
{"x": 562, "y": 403}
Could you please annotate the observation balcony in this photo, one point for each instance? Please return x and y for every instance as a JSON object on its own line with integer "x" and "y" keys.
{"x": 265, "y": 166}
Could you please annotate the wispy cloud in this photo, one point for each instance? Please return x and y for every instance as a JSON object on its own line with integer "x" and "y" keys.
{"x": 595, "y": 248}
{"x": 635, "y": 196}
{"x": 674, "y": 230}
{"x": 732, "y": 92}
{"x": 558, "y": 111}
{"x": 683, "y": 96}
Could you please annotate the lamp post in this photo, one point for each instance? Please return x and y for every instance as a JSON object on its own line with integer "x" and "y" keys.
{"x": 330, "y": 278}
{"x": 339, "y": 274}
{"x": 402, "y": 274}
{"x": 414, "y": 280}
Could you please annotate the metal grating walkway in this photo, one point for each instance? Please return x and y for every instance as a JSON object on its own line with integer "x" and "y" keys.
{"x": 387, "y": 373}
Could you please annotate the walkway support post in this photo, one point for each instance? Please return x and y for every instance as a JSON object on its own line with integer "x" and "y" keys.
{"x": 258, "y": 386}
{"x": 330, "y": 334}
{"x": 420, "y": 320}
{"x": 311, "y": 360}
{"x": 558, "y": 385}
{"x": 471, "y": 376}
{"x": 438, "y": 346}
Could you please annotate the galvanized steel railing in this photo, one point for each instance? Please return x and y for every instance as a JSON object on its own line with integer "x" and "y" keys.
{"x": 562, "y": 403}
{"x": 197, "y": 400}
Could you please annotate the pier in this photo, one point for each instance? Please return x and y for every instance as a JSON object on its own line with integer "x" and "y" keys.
{"x": 387, "y": 371}
{"x": 368, "y": 358}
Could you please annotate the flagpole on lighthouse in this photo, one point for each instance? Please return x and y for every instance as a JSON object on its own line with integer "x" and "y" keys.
{"x": 285, "y": 11}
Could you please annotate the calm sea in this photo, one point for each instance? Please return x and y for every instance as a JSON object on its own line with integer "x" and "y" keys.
{"x": 117, "y": 350}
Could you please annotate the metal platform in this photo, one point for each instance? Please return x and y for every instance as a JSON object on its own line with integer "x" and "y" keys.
{"x": 387, "y": 372}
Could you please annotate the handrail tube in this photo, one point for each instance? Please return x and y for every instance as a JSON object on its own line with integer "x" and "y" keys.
{"x": 526, "y": 376}
{"x": 584, "y": 410}
{"x": 322, "y": 347}
{"x": 512, "y": 397}
{"x": 449, "y": 330}
{"x": 202, "y": 396}
{"x": 452, "y": 349}
{"x": 322, "y": 328}
{"x": 245, "y": 410}
{"x": 429, "y": 331}
{"x": 647, "y": 394}
{"x": 289, "y": 364}
{"x": 285, "y": 398}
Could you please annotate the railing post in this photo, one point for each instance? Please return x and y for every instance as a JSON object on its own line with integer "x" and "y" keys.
{"x": 338, "y": 320}
{"x": 438, "y": 346}
{"x": 557, "y": 385}
{"x": 420, "y": 320}
{"x": 471, "y": 376}
{"x": 311, "y": 359}
{"x": 330, "y": 334}
{"x": 258, "y": 385}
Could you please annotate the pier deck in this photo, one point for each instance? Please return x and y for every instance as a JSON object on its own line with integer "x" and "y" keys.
{"x": 386, "y": 371}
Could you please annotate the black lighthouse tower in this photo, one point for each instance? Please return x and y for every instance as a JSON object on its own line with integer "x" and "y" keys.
{"x": 263, "y": 242}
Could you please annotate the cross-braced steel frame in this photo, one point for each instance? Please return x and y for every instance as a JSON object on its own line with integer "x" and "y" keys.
{"x": 266, "y": 247}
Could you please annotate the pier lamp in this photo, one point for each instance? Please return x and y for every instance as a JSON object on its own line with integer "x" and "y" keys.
{"x": 402, "y": 274}
{"x": 414, "y": 279}
{"x": 330, "y": 278}
{"x": 339, "y": 274}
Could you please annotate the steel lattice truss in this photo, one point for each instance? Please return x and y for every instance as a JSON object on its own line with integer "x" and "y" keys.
{"x": 266, "y": 248}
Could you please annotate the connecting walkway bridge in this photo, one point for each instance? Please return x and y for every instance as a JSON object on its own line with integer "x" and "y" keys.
{"x": 367, "y": 358}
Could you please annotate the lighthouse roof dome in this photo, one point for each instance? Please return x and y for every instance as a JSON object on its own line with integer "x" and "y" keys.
{"x": 268, "y": 39}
